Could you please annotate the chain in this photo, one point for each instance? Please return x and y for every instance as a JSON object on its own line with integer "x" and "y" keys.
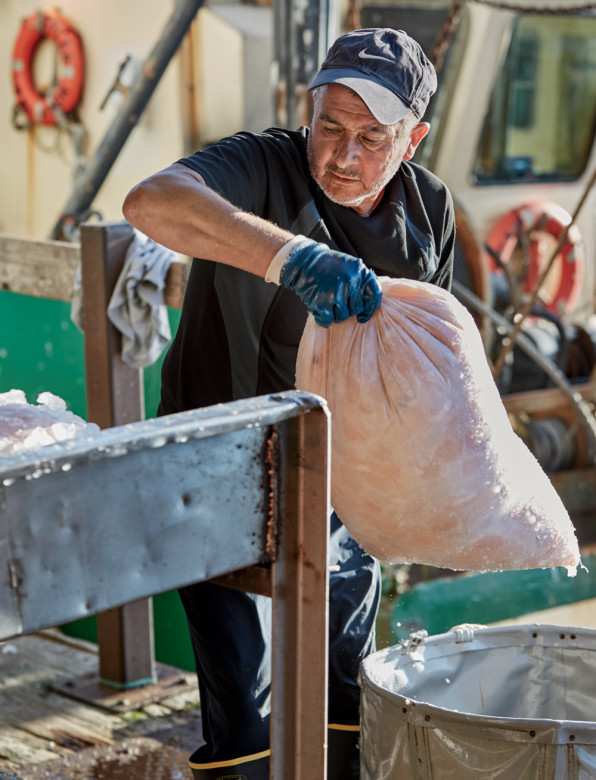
{"x": 453, "y": 18}
{"x": 78, "y": 136}
{"x": 446, "y": 34}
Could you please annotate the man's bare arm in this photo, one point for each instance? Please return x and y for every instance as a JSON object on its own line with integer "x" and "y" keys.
{"x": 176, "y": 209}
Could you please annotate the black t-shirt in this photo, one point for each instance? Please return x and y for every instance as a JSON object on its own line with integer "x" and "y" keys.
{"x": 238, "y": 336}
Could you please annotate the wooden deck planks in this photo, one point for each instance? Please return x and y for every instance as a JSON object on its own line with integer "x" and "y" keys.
{"x": 38, "y": 725}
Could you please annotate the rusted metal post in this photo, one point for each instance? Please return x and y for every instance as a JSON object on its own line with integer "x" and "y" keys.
{"x": 114, "y": 397}
{"x": 300, "y": 605}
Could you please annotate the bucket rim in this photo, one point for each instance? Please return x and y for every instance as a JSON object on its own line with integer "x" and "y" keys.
{"x": 467, "y": 638}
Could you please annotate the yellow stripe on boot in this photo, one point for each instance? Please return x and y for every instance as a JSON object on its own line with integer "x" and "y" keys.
{"x": 252, "y": 767}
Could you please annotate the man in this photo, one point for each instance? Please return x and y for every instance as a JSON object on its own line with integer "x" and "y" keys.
{"x": 298, "y": 209}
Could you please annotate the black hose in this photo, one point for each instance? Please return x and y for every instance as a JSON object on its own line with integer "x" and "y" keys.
{"x": 583, "y": 410}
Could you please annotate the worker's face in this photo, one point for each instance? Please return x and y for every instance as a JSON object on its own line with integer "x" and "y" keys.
{"x": 351, "y": 155}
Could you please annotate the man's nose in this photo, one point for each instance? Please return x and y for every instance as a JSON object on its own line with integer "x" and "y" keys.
{"x": 346, "y": 152}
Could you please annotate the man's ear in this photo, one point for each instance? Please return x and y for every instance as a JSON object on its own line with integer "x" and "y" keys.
{"x": 417, "y": 134}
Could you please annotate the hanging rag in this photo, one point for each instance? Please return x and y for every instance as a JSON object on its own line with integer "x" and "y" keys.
{"x": 76, "y": 305}
{"x": 137, "y": 308}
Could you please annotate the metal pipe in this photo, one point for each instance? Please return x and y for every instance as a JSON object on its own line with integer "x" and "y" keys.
{"x": 134, "y": 104}
{"x": 303, "y": 32}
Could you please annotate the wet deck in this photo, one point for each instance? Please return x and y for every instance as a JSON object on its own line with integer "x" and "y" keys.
{"x": 45, "y": 734}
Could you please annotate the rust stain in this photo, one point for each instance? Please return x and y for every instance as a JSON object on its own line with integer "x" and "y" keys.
{"x": 572, "y": 762}
{"x": 149, "y": 69}
{"x": 272, "y": 468}
{"x": 30, "y": 180}
{"x": 155, "y": 764}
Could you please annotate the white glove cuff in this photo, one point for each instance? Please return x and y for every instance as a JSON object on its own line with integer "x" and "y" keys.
{"x": 281, "y": 258}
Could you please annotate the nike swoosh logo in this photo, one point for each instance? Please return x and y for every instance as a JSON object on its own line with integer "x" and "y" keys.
{"x": 364, "y": 56}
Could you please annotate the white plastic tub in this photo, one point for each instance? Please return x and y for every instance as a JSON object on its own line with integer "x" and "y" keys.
{"x": 506, "y": 703}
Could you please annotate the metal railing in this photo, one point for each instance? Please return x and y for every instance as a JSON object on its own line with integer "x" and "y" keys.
{"x": 238, "y": 492}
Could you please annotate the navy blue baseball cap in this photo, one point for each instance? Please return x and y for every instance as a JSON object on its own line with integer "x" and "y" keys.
{"x": 384, "y": 67}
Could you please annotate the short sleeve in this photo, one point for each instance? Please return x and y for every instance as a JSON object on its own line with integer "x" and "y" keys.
{"x": 234, "y": 167}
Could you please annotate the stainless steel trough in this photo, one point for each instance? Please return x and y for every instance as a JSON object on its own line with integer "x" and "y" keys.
{"x": 143, "y": 508}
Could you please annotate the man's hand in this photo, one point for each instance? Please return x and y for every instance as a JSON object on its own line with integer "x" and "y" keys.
{"x": 332, "y": 285}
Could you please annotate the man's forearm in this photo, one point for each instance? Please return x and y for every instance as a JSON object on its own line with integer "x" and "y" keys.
{"x": 175, "y": 208}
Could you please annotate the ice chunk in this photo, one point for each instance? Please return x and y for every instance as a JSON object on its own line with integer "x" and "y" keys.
{"x": 26, "y": 427}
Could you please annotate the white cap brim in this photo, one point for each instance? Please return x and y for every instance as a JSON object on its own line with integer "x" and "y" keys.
{"x": 386, "y": 107}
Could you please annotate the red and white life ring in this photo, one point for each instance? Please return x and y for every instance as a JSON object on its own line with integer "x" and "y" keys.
{"x": 537, "y": 222}
{"x": 66, "y": 93}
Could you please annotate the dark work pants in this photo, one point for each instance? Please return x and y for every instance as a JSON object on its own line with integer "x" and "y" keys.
{"x": 231, "y": 637}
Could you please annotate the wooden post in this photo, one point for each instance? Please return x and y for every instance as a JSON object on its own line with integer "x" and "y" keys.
{"x": 114, "y": 397}
{"x": 114, "y": 389}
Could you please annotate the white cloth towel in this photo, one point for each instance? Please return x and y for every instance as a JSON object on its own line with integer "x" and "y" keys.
{"x": 137, "y": 305}
{"x": 137, "y": 308}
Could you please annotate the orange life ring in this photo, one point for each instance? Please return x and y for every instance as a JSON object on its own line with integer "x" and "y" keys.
{"x": 531, "y": 220}
{"x": 66, "y": 93}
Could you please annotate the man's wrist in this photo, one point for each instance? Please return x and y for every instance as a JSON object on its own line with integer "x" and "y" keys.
{"x": 281, "y": 258}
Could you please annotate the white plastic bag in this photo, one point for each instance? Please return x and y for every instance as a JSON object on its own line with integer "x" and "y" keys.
{"x": 425, "y": 465}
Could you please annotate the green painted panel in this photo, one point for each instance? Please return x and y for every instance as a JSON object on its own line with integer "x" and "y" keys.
{"x": 172, "y": 639}
{"x": 41, "y": 350}
{"x": 444, "y": 602}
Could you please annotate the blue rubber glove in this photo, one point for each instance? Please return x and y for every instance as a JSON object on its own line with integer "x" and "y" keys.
{"x": 332, "y": 285}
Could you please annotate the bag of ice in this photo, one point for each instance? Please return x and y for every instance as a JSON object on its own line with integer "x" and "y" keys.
{"x": 425, "y": 465}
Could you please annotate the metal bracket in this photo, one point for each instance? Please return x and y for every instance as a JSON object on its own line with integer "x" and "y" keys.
{"x": 88, "y": 688}
{"x": 413, "y": 641}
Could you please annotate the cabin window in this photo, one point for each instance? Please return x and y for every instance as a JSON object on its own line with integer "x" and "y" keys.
{"x": 542, "y": 115}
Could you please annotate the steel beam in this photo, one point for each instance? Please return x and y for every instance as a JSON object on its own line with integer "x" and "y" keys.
{"x": 150, "y": 506}
{"x": 91, "y": 524}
